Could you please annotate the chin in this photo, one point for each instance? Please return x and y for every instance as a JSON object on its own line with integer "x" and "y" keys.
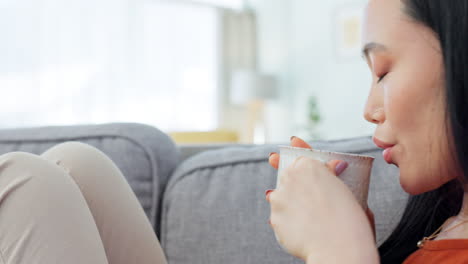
{"x": 408, "y": 188}
{"x": 415, "y": 184}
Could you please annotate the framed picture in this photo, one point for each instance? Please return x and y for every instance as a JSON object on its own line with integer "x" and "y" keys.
{"x": 348, "y": 30}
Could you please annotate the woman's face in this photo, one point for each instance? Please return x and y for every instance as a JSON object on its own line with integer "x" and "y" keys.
{"x": 407, "y": 96}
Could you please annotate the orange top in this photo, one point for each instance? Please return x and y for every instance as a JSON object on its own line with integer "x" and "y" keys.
{"x": 450, "y": 251}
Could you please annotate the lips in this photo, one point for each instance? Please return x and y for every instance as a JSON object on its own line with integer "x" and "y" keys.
{"x": 387, "y": 153}
{"x": 382, "y": 144}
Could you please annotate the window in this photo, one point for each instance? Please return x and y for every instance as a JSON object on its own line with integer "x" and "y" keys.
{"x": 92, "y": 61}
{"x": 233, "y": 4}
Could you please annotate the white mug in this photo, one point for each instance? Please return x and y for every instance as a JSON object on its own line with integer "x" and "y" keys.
{"x": 356, "y": 176}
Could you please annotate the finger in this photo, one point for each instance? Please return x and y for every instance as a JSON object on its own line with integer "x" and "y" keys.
{"x": 295, "y": 142}
{"x": 275, "y": 200}
{"x": 274, "y": 160}
{"x": 299, "y": 143}
{"x": 337, "y": 166}
{"x": 305, "y": 163}
{"x": 283, "y": 176}
{"x": 267, "y": 195}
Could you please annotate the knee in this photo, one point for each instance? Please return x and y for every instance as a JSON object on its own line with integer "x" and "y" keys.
{"x": 77, "y": 151}
{"x": 20, "y": 167}
{"x": 74, "y": 146}
{"x": 21, "y": 160}
{"x": 74, "y": 155}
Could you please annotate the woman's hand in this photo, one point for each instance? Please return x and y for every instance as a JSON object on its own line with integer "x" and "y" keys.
{"x": 299, "y": 143}
{"x": 316, "y": 217}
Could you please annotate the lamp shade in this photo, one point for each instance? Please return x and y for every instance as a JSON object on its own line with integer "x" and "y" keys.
{"x": 249, "y": 85}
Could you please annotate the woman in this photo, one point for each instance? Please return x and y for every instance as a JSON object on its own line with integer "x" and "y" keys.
{"x": 417, "y": 52}
{"x": 53, "y": 208}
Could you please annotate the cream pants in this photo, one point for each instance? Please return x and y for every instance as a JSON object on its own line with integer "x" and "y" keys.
{"x": 71, "y": 205}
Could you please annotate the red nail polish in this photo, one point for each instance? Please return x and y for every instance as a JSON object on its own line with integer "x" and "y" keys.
{"x": 341, "y": 167}
{"x": 267, "y": 194}
{"x": 271, "y": 154}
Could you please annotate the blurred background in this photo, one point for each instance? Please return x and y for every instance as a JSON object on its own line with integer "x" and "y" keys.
{"x": 205, "y": 71}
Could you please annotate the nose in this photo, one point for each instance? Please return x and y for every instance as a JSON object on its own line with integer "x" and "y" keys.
{"x": 374, "y": 111}
{"x": 374, "y": 116}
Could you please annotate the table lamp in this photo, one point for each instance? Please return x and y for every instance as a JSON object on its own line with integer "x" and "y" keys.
{"x": 251, "y": 89}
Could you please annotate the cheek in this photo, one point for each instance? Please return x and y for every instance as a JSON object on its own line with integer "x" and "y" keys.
{"x": 416, "y": 114}
{"x": 425, "y": 161}
{"x": 406, "y": 104}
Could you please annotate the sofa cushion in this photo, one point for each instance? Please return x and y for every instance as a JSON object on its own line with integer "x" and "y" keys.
{"x": 214, "y": 208}
{"x": 145, "y": 155}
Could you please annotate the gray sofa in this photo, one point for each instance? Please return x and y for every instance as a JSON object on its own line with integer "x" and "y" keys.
{"x": 207, "y": 203}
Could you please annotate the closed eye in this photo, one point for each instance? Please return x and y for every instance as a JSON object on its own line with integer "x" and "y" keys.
{"x": 381, "y": 78}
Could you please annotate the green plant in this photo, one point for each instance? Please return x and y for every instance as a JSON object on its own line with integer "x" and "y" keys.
{"x": 313, "y": 118}
{"x": 313, "y": 111}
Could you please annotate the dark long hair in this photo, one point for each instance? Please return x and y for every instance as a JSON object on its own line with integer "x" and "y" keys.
{"x": 448, "y": 19}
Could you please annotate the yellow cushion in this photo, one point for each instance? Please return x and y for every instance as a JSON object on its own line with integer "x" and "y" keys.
{"x": 219, "y": 136}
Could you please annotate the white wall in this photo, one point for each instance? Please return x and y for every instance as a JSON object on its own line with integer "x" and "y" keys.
{"x": 296, "y": 42}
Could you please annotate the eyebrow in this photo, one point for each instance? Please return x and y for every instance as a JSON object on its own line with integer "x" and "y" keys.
{"x": 371, "y": 47}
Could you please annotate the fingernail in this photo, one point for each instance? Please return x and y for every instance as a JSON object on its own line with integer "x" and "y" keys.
{"x": 269, "y": 222}
{"x": 341, "y": 167}
{"x": 267, "y": 194}
{"x": 271, "y": 154}
{"x": 292, "y": 138}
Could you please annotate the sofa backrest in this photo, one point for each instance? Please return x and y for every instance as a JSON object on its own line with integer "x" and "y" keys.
{"x": 214, "y": 208}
